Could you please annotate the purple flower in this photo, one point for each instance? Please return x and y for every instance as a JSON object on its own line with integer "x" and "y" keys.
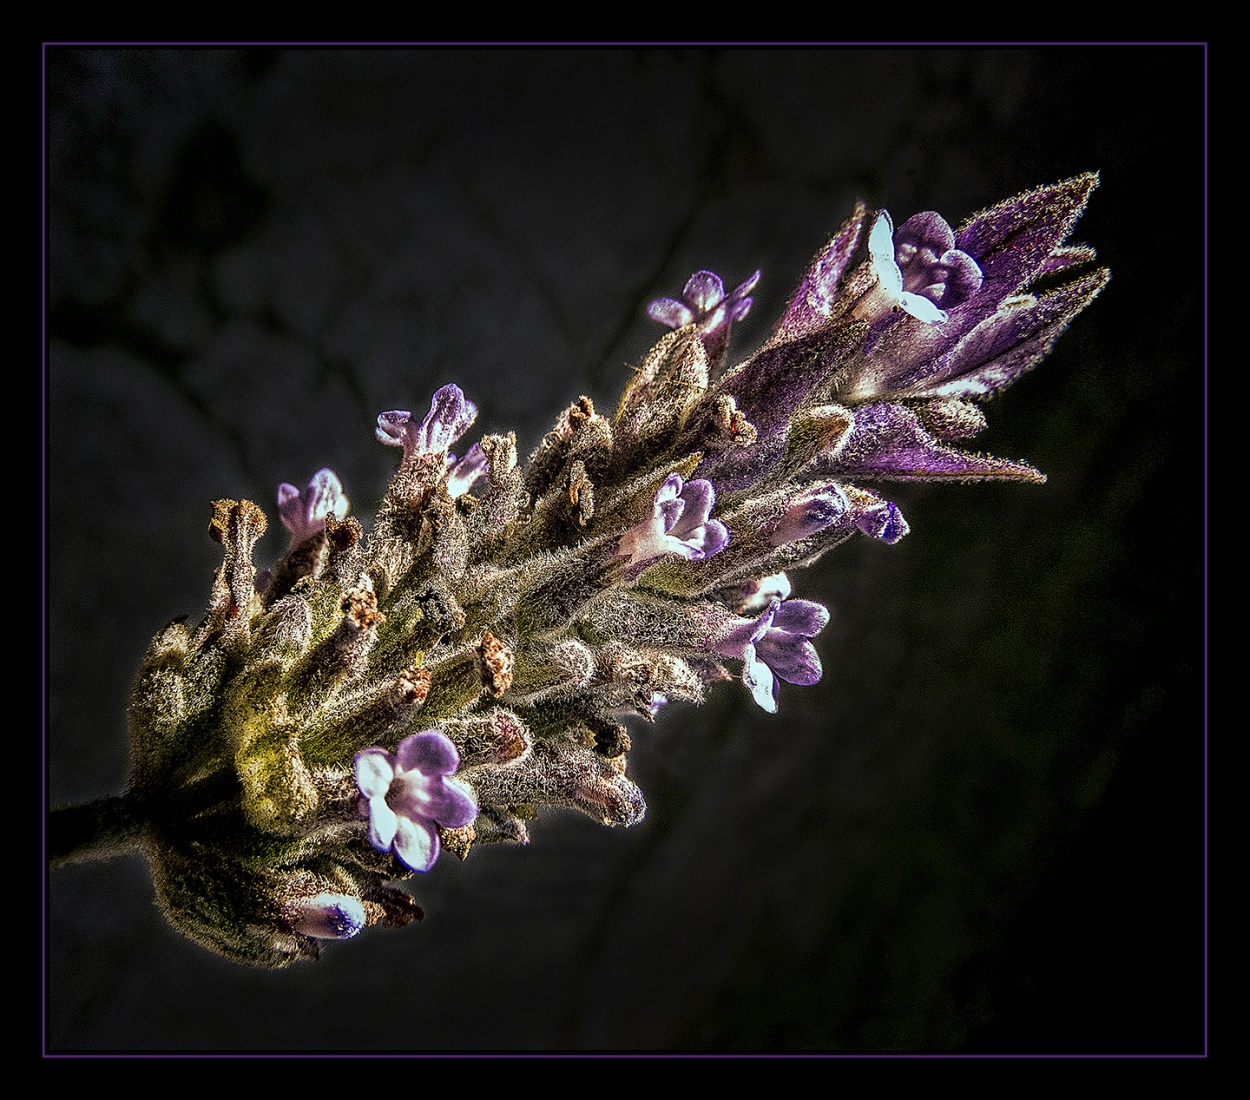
{"x": 919, "y": 269}
{"x": 412, "y": 792}
{"x": 812, "y": 509}
{"x": 463, "y": 475}
{"x": 451, "y": 415}
{"x": 304, "y": 514}
{"x": 759, "y": 594}
{"x": 704, "y": 303}
{"x": 777, "y": 646}
{"x": 924, "y": 247}
{"x": 1001, "y": 330}
{"x": 879, "y": 519}
{"x": 328, "y": 916}
{"x": 678, "y": 524}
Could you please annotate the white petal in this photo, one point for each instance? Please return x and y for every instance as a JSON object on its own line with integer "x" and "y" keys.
{"x": 416, "y": 844}
{"x": 767, "y": 589}
{"x": 881, "y": 247}
{"x": 760, "y": 681}
{"x": 921, "y": 308}
{"x": 383, "y": 824}
{"x": 374, "y": 772}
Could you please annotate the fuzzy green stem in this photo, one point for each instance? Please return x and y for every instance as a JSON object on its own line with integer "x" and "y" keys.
{"x": 103, "y": 829}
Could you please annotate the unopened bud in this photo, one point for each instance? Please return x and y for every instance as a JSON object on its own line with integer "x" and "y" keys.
{"x": 329, "y": 917}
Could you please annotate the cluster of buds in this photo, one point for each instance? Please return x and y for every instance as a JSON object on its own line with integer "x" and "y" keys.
{"x": 335, "y": 723}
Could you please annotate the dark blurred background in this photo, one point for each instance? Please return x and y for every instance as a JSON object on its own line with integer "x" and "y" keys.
{"x": 981, "y": 832}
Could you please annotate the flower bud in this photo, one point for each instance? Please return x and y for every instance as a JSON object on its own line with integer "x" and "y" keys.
{"x": 811, "y": 510}
{"x": 328, "y": 917}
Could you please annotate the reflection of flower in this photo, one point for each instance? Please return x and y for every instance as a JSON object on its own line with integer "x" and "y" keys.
{"x": 777, "y": 646}
{"x": 678, "y": 524}
{"x": 451, "y": 415}
{"x": 918, "y": 268}
{"x": 304, "y": 514}
{"x": 410, "y": 793}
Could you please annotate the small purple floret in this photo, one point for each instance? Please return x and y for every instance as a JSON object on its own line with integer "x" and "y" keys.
{"x": 924, "y": 247}
{"x": 304, "y": 514}
{"x": 812, "y": 510}
{"x": 777, "y": 646}
{"x": 467, "y": 472}
{"x": 882, "y": 520}
{"x": 451, "y": 415}
{"x": 410, "y": 793}
{"x": 678, "y": 524}
{"x": 919, "y": 269}
{"x": 705, "y": 304}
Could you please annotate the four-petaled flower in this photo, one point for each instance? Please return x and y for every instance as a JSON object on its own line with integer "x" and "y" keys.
{"x": 777, "y": 646}
{"x": 918, "y": 269}
{"x": 451, "y": 415}
{"x": 410, "y": 793}
{"x": 704, "y": 303}
{"x": 678, "y": 524}
{"x": 304, "y": 514}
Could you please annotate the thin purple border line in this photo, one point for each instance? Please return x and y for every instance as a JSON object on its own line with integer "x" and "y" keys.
{"x": 1205, "y": 47}
{"x": 1206, "y": 553}
{"x": 626, "y": 44}
{"x": 43, "y": 528}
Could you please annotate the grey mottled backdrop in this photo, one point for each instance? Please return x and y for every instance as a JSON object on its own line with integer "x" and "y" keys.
{"x": 981, "y": 832}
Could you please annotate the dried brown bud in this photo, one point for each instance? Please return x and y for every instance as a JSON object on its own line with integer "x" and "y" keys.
{"x": 495, "y": 664}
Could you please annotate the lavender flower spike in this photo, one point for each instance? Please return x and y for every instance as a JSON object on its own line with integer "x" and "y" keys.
{"x": 451, "y": 415}
{"x": 304, "y": 514}
{"x": 411, "y": 793}
{"x": 575, "y": 588}
{"x": 919, "y": 269}
{"x": 678, "y": 524}
{"x": 777, "y": 646}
